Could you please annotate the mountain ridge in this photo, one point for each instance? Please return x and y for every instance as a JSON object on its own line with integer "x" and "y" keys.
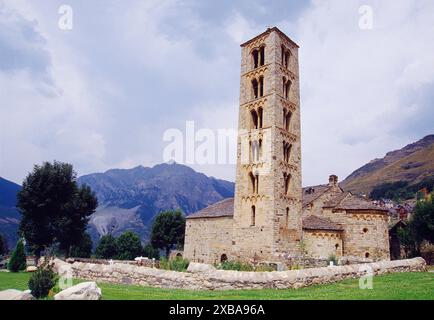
{"x": 412, "y": 163}
{"x": 141, "y": 192}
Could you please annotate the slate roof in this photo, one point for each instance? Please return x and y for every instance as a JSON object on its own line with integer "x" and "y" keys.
{"x": 348, "y": 201}
{"x": 314, "y": 192}
{"x": 224, "y": 208}
{"x": 269, "y": 30}
{"x": 316, "y": 223}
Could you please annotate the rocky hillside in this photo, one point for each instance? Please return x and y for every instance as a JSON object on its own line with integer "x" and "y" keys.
{"x": 130, "y": 199}
{"x": 9, "y": 215}
{"x": 412, "y": 164}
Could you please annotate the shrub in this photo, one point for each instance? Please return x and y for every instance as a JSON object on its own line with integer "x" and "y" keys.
{"x": 106, "y": 248}
{"x": 333, "y": 259}
{"x": 178, "y": 264}
{"x": 84, "y": 247}
{"x": 265, "y": 268}
{"x": 42, "y": 281}
{"x": 151, "y": 252}
{"x": 17, "y": 261}
{"x": 235, "y": 265}
{"x": 128, "y": 246}
{"x": 3, "y": 245}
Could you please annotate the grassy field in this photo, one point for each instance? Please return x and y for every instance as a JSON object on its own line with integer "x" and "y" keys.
{"x": 398, "y": 286}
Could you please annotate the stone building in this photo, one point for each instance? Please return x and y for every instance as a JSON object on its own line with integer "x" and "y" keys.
{"x": 271, "y": 217}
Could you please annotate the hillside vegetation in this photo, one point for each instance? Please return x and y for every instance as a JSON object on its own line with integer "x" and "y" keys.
{"x": 412, "y": 164}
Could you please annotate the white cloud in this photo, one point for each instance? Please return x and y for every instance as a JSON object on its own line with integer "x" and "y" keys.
{"x": 46, "y": 120}
{"x": 354, "y": 81}
{"x": 126, "y": 73}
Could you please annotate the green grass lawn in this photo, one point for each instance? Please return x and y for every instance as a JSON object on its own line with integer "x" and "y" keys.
{"x": 398, "y": 286}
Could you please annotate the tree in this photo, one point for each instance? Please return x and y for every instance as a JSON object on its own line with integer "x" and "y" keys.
{"x": 151, "y": 252}
{"x": 54, "y": 208}
{"x": 84, "y": 248}
{"x": 17, "y": 262}
{"x": 420, "y": 227}
{"x": 168, "y": 230}
{"x": 128, "y": 246}
{"x": 106, "y": 248}
{"x": 422, "y": 220}
{"x": 3, "y": 245}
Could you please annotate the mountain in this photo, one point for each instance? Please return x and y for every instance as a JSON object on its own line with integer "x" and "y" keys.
{"x": 412, "y": 164}
{"x": 129, "y": 199}
{"x": 9, "y": 215}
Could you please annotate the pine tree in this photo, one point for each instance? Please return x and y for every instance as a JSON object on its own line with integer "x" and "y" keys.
{"x": 17, "y": 261}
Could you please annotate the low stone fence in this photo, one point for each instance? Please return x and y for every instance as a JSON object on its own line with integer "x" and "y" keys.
{"x": 146, "y": 262}
{"x": 206, "y": 277}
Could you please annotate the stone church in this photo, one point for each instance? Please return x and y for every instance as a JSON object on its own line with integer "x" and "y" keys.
{"x": 272, "y": 218}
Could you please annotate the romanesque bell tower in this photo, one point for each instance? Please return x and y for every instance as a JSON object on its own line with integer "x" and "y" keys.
{"x": 267, "y": 207}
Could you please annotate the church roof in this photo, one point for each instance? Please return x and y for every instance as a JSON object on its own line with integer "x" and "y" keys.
{"x": 314, "y": 192}
{"x": 348, "y": 201}
{"x": 316, "y": 223}
{"x": 269, "y": 30}
{"x": 224, "y": 208}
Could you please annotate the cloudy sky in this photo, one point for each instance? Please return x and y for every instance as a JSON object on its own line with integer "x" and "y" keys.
{"x": 102, "y": 95}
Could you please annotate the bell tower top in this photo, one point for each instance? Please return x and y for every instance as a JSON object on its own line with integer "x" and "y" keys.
{"x": 268, "y": 31}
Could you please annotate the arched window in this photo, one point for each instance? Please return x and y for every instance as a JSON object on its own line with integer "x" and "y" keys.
{"x": 257, "y": 183}
{"x": 287, "y": 179}
{"x": 260, "y": 149}
{"x": 283, "y": 55}
{"x": 283, "y": 86}
{"x": 287, "y": 120}
{"x": 253, "y": 217}
{"x": 287, "y": 88}
{"x": 367, "y": 255}
{"x": 254, "y": 123}
{"x": 365, "y": 230}
{"x": 255, "y": 89}
{"x": 287, "y": 56}
{"x": 260, "y": 117}
{"x": 286, "y": 151}
{"x": 337, "y": 246}
{"x": 287, "y": 218}
{"x": 255, "y": 149}
{"x": 252, "y": 183}
{"x": 262, "y": 56}
{"x": 223, "y": 258}
{"x": 261, "y": 86}
{"x": 255, "y": 58}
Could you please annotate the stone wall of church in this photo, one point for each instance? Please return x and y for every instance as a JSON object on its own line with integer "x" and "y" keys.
{"x": 366, "y": 233}
{"x": 207, "y": 239}
{"x": 322, "y": 244}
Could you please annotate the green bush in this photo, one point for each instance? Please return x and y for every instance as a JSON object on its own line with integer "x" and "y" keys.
{"x": 106, "y": 248}
{"x": 265, "y": 268}
{"x": 151, "y": 252}
{"x": 241, "y": 266}
{"x": 42, "y": 281}
{"x": 178, "y": 264}
{"x": 333, "y": 259}
{"x": 17, "y": 261}
{"x": 84, "y": 247}
{"x": 235, "y": 265}
{"x": 128, "y": 246}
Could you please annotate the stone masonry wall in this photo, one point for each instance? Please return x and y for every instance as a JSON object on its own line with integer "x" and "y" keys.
{"x": 206, "y": 240}
{"x": 323, "y": 244}
{"x": 206, "y": 277}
